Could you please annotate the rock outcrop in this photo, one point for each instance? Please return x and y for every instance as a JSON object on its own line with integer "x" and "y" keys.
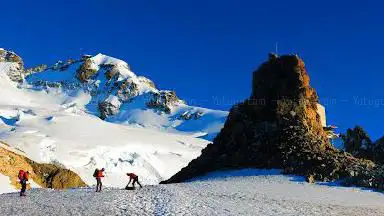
{"x": 109, "y": 107}
{"x": 279, "y": 126}
{"x": 45, "y": 175}
{"x": 86, "y": 71}
{"x": 163, "y": 100}
{"x": 37, "y": 69}
{"x": 15, "y": 65}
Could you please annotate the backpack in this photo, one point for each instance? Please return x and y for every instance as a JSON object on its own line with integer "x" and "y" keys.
{"x": 21, "y": 175}
{"x": 95, "y": 173}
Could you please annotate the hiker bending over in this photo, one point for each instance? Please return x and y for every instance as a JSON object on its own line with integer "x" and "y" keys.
{"x": 135, "y": 178}
{"x": 23, "y": 177}
{"x": 98, "y": 174}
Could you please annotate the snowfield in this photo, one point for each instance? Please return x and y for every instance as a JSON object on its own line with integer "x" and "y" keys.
{"x": 241, "y": 193}
{"x": 6, "y": 186}
{"x": 55, "y": 127}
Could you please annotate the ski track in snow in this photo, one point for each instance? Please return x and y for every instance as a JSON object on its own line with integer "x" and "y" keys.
{"x": 251, "y": 195}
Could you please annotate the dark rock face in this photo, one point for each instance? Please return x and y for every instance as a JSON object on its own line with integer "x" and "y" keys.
{"x": 127, "y": 90}
{"x": 86, "y": 71}
{"x": 303, "y": 154}
{"x": 281, "y": 87}
{"x": 107, "y": 108}
{"x": 379, "y": 151}
{"x": 277, "y": 127}
{"x": 163, "y": 101}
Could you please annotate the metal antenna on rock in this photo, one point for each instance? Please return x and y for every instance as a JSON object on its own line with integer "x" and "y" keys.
{"x": 276, "y": 47}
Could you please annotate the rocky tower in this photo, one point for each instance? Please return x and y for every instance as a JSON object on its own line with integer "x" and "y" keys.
{"x": 275, "y": 128}
{"x": 281, "y": 89}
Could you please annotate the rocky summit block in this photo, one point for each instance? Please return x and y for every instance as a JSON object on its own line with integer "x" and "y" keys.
{"x": 279, "y": 126}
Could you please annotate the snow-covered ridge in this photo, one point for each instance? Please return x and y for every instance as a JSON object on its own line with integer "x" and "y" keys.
{"x": 54, "y": 117}
{"x": 118, "y": 95}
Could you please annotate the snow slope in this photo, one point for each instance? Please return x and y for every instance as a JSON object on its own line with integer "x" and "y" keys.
{"x": 57, "y": 128}
{"x": 256, "y": 193}
{"x": 6, "y": 186}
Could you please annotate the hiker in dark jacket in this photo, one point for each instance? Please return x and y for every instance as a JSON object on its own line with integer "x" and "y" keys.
{"x": 98, "y": 174}
{"x": 23, "y": 177}
{"x": 135, "y": 178}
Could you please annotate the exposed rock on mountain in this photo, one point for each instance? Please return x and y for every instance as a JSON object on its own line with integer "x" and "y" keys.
{"x": 37, "y": 69}
{"x": 279, "y": 126}
{"x": 86, "y": 70}
{"x": 13, "y": 63}
{"x": 45, "y": 175}
{"x": 109, "y": 107}
{"x": 163, "y": 100}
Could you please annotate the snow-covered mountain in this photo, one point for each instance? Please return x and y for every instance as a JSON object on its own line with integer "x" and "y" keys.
{"x": 95, "y": 112}
{"x": 118, "y": 95}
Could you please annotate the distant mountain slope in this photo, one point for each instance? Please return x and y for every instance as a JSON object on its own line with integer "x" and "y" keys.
{"x": 118, "y": 95}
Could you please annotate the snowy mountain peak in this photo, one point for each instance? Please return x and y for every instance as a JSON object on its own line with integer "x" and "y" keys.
{"x": 112, "y": 66}
{"x": 102, "y": 59}
{"x": 117, "y": 94}
{"x": 50, "y": 114}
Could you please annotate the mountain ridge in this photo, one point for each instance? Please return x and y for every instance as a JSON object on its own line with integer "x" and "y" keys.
{"x": 52, "y": 113}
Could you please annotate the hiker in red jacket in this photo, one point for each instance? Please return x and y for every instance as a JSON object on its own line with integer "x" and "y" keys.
{"x": 23, "y": 177}
{"x": 135, "y": 178}
{"x": 98, "y": 174}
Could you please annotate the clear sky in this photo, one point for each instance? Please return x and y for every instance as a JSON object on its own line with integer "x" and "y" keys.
{"x": 206, "y": 50}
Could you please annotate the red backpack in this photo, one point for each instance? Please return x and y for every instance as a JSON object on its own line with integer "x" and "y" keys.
{"x": 21, "y": 175}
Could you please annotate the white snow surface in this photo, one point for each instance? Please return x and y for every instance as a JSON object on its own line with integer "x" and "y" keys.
{"x": 245, "y": 192}
{"x": 52, "y": 127}
{"x": 6, "y": 186}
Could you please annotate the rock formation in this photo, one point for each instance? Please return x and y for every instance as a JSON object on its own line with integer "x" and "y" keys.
{"x": 14, "y": 63}
{"x": 45, "y": 175}
{"x": 279, "y": 126}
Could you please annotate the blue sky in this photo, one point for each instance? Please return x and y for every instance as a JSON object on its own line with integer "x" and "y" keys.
{"x": 207, "y": 50}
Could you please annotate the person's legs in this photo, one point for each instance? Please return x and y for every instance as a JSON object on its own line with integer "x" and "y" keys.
{"x": 101, "y": 184}
{"x": 137, "y": 180}
{"x": 23, "y": 188}
{"x": 134, "y": 182}
{"x": 97, "y": 184}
